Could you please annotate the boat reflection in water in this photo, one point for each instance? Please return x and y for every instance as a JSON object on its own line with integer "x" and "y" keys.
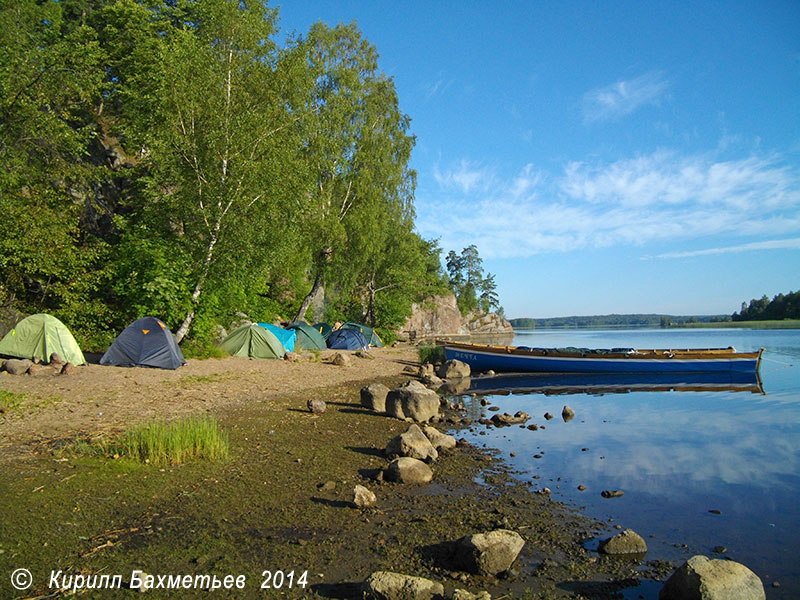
{"x": 614, "y": 383}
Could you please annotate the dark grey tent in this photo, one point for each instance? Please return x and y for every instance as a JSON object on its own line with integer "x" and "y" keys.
{"x": 146, "y": 342}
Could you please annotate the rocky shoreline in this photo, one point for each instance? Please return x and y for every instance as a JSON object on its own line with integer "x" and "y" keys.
{"x": 311, "y": 485}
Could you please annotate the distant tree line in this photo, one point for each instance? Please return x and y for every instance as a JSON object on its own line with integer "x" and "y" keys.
{"x": 614, "y": 320}
{"x": 782, "y": 306}
{"x": 172, "y": 158}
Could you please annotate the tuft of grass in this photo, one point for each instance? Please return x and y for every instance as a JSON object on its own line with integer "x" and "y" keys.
{"x": 10, "y": 401}
{"x": 190, "y": 380}
{"x": 164, "y": 443}
{"x": 430, "y": 354}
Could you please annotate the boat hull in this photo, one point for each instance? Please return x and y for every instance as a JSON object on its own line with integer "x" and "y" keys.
{"x": 509, "y": 359}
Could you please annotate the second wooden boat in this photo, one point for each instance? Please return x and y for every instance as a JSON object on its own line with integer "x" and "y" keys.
{"x": 521, "y": 359}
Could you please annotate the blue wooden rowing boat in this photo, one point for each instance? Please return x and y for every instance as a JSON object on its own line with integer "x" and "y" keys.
{"x": 521, "y": 359}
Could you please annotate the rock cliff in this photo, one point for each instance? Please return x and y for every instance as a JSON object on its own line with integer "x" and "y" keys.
{"x": 439, "y": 317}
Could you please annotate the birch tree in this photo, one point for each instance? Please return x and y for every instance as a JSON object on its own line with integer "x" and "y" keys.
{"x": 343, "y": 88}
{"x": 212, "y": 132}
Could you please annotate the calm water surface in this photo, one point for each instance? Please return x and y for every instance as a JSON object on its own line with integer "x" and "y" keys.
{"x": 676, "y": 454}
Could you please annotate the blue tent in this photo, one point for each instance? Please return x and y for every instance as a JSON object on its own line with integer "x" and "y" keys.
{"x": 368, "y": 333}
{"x": 347, "y": 339}
{"x": 286, "y": 337}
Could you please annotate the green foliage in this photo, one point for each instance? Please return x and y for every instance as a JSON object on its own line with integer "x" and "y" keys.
{"x": 170, "y": 159}
{"x": 430, "y": 354}
{"x": 200, "y": 349}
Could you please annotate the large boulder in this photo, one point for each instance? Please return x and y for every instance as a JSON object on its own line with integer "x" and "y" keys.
{"x": 490, "y": 553}
{"x": 373, "y": 397}
{"x": 385, "y": 585}
{"x": 453, "y": 369}
{"x": 413, "y": 443}
{"x": 414, "y": 401}
{"x": 625, "y": 542}
{"x": 454, "y": 387}
{"x": 18, "y": 366}
{"x": 703, "y": 578}
{"x": 440, "y": 441}
{"x": 408, "y": 470}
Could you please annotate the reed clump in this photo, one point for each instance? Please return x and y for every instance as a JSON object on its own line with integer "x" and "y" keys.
{"x": 163, "y": 443}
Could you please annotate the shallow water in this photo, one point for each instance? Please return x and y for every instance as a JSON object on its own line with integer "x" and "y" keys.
{"x": 676, "y": 455}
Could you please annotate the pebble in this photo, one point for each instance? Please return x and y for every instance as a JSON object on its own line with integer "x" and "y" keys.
{"x": 720, "y": 549}
{"x": 715, "y": 511}
{"x": 548, "y": 416}
{"x": 611, "y": 493}
{"x": 581, "y": 487}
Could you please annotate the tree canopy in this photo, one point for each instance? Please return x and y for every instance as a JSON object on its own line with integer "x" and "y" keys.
{"x": 782, "y": 306}
{"x": 466, "y": 279}
{"x": 173, "y": 158}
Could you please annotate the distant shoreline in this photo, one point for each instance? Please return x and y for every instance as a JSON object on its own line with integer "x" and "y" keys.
{"x": 782, "y": 324}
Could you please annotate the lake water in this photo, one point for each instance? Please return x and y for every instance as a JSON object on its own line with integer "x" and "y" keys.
{"x": 676, "y": 455}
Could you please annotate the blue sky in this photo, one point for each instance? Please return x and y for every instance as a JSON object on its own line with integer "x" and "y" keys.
{"x": 605, "y": 157}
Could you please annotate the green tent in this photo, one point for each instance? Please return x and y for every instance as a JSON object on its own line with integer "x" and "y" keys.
{"x": 308, "y": 338}
{"x": 38, "y": 336}
{"x": 323, "y": 328}
{"x": 367, "y": 332}
{"x": 254, "y": 342}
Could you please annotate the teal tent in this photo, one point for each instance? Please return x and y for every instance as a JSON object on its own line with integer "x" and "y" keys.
{"x": 39, "y": 336}
{"x": 286, "y": 337}
{"x": 323, "y": 328}
{"x": 308, "y": 338}
{"x": 254, "y": 342}
{"x": 367, "y": 332}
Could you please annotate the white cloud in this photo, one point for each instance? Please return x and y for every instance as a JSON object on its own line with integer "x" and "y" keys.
{"x": 661, "y": 198}
{"x": 623, "y": 97}
{"x": 466, "y": 177}
{"x": 788, "y": 244}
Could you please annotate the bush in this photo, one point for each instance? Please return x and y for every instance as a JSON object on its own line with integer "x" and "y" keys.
{"x": 431, "y": 354}
{"x": 194, "y": 348}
